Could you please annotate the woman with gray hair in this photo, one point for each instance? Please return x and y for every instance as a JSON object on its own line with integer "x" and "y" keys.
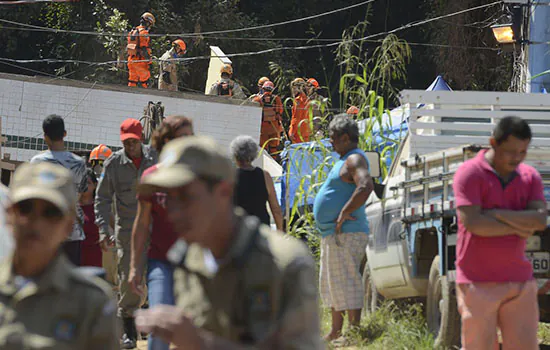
{"x": 254, "y": 186}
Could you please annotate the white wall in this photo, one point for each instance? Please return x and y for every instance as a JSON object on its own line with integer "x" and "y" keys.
{"x": 93, "y": 113}
{"x": 217, "y": 60}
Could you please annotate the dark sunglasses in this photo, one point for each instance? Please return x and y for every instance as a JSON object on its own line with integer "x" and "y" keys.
{"x": 95, "y": 162}
{"x": 50, "y": 212}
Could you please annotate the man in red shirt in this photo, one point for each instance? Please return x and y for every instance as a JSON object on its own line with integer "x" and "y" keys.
{"x": 500, "y": 204}
{"x": 159, "y": 278}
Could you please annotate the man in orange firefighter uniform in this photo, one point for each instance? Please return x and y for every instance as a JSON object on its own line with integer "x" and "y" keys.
{"x": 272, "y": 112}
{"x": 139, "y": 52}
{"x": 299, "y": 124}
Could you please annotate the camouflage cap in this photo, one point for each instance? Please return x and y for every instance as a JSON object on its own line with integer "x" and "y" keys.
{"x": 47, "y": 181}
{"x": 185, "y": 159}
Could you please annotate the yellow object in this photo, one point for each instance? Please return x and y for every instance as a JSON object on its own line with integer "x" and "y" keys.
{"x": 504, "y": 34}
{"x": 226, "y": 68}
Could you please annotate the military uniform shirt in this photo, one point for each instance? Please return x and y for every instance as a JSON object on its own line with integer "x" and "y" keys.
{"x": 118, "y": 183}
{"x": 74, "y": 311}
{"x": 263, "y": 294}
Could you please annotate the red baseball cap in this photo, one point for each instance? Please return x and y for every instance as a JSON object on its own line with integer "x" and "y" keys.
{"x": 130, "y": 129}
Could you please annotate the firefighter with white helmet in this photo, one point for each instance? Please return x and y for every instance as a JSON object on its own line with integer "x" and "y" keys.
{"x": 168, "y": 72}
{"x": 226, "y": 86}
{"x": 139, "y": 52}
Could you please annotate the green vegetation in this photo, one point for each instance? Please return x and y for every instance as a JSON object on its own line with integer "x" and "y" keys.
{"x": 390, "y": 327}
{"x": 460, "y": 60}
{"x": 362, "y": 74}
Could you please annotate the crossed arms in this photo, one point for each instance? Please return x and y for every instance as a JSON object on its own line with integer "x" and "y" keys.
{"x": 502, "y": 222}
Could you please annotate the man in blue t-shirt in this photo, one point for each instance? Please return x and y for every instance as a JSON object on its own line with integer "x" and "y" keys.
{"x": 339, "y": 211}
{"x": 54, "y": 133}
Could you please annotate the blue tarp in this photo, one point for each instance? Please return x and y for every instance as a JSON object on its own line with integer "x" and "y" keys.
{"x": 303, "y": 160}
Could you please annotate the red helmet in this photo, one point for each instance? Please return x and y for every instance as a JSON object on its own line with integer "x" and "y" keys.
{"x": 313, "y": 82}
{"x": 353, "y": 110}
{"x": 268, "y": 86}
{"x": 101, "y": 152}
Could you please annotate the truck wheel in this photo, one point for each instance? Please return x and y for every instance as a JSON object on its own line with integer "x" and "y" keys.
{"x": 441, "y": 310}
{"x": 372, "y": 300}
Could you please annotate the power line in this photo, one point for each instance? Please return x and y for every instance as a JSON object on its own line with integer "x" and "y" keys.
{"x": 21, "y": 2}
{"x": 417, "y": 23}
{"x": 254, "y": 53}
{"x": 241, "y": 54}
{"x": 54, "y": 30}
{"x": 318, "y": 40}
{"x": 27, "y": 69}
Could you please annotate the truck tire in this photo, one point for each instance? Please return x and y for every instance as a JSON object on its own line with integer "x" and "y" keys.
{"x": 372, "y": 300}
{"x": 441, "y": 310}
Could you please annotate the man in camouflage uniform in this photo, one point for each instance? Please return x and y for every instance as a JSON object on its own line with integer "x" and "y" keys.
{"x": 45, "y": 302}
{"x": 239, "y": 283}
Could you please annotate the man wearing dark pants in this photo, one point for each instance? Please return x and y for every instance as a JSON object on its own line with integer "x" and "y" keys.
{"x": 54, "y": 133}
{"x": 121, "y": 173}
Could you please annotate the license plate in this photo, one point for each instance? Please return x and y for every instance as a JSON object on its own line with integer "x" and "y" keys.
{"x": 540, "y": 261}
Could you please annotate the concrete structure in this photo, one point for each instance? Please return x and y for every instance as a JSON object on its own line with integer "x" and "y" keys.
{"x": 93, "y": 113}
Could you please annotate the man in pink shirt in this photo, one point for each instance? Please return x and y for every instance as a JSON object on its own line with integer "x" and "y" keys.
{"x": 500, "y": 204}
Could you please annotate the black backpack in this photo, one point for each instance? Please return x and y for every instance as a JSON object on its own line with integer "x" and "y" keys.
{"x": 225, "y": 88}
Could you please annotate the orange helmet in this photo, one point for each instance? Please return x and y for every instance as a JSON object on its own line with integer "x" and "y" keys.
{"x": 262, "y": 81}
{"x": 353, "y": 110}
{"x": 148, "y": 16}
{"x": 181, "y": 44}
{"x": 268, "y": 86}
{"x": 313, "y": 82}
{"x": 226, "y": 68}
{"x": 101, "y": 152}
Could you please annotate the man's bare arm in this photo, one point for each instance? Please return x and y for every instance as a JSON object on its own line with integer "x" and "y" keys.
{"x": 358, "y": 169}
{"x": 476, "y": 222}
{"x": 531, "y": 219}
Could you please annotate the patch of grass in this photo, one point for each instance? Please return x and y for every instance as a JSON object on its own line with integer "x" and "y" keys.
{"x": 391, "y": 327}
{"x": 544, "y": 333}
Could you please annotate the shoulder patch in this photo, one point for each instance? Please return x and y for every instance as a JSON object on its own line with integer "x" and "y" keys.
{"x": 65, "y": 330}
{"x": 260, "y": 300}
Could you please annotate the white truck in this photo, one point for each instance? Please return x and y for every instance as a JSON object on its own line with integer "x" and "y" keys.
{"x": 413, "y": 225}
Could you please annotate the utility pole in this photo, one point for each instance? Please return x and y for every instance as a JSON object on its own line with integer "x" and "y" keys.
{"x": 538, "y": 47}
